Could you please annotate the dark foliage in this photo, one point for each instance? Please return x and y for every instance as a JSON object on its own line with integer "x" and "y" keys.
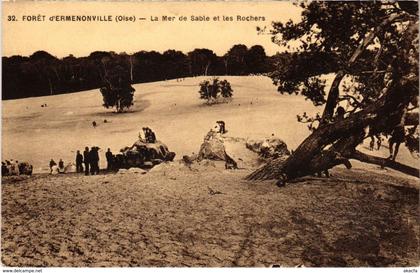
{"x": 117, "y": 91}
{"x": 42, "y": 74}
{"x": 212, "y": 90}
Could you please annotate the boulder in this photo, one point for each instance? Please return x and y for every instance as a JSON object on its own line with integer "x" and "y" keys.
{"x": 268, "y": 148}
{"x": 213, "y": 148}
{"x": 136, "y": 170}
{"x": 143, "y": 155}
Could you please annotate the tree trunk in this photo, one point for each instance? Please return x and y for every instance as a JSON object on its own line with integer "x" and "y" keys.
{"x": 51, "y": 88}
{"x": 344, "y": 135}
{"x": 334, "y": 89}
{"x": 207, "y": 68}
{"x": 131, "y": 69}
{"x": 226, "y": 66}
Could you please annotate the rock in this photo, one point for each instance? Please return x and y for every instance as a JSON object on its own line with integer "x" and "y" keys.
{"x": 187, "y": 159}
{"x": 212, "y": 147}
{"x": 268, "y": 148}
{"x": 136, "y": 170}
{"x": 143, "y": 155}
{"x": 122, "y": 171}
{"x": 148, "y": 164}
{"x": 156, "y": 161}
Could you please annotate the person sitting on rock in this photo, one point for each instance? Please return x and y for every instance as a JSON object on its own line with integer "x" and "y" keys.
{"x": 140, "y": 137}
{"x": 152, "y": 138}
{"x": 146, "y": 133}
{"x": 221, "y": 124}
{"x": 149, "y": 135}
{"x": 265, "y": 149}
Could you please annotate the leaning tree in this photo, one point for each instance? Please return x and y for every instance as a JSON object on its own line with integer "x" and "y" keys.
{"x": 373, "y": 46}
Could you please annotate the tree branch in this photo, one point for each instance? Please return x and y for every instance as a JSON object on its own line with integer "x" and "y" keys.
{"x": 383, "y": 162}
{"x": 334, "y": 91}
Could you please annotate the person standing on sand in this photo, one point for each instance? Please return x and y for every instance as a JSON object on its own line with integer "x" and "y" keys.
{"x": 79, "y": 162}
{"x": 94, "y": 160}
{"x": 109, "y": 159}
{"x": 397, "y": 137}
{"x": 17, "y": 168}
{"x": 86, "y": 160}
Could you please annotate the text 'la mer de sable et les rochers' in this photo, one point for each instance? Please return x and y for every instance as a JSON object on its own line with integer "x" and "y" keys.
{"x": 204, "y": 18}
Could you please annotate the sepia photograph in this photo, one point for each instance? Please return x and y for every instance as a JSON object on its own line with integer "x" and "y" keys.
{"x": 272, "y": 134}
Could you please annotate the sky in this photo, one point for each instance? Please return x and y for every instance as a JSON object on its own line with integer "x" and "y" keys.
{"x": 23, "y": 37}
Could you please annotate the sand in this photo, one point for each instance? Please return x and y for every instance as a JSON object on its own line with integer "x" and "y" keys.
{"x": 207, "y": 216}
{"x": 199, "y": 216}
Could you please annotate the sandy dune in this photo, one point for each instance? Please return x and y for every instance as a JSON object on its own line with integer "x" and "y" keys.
{"x": 171, "y": 108}
{"x": 199, "y": 216}
{"x": 169, "y": 217}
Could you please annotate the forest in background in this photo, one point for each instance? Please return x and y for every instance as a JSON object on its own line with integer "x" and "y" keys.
{"x": 43, "y": 74}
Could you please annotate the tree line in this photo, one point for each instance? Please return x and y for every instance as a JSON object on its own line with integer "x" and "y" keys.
{"x": 43, "y": 74}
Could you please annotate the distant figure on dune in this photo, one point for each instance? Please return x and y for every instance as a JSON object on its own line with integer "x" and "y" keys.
{"x": 86, "y": 154}
{"x": 105, "y": 121}
{"x": 94, "y": 124}
{"x": 79, "y": 162}
{"x": 52, "y": 164}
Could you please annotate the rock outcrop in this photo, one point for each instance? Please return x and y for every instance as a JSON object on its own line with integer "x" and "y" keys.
{"x": 143, "y": 155}
{"x": 268, "y": 148}
{"x": 213, "y": 148}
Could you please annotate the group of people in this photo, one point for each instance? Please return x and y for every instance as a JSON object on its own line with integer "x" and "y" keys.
{"x": 398, "y": 135}
{"x": 90, "y": 158}
{"x": 149, "y": 135}
{"x": 54, "y": 168}
{"x": 10, "y": 167}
